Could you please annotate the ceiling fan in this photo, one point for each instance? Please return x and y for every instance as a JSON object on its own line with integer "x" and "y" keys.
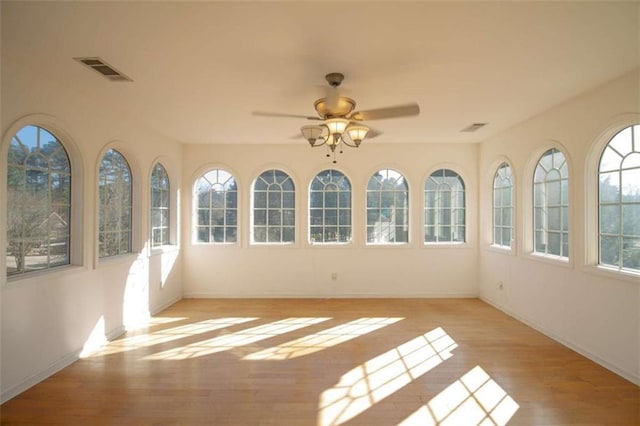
{"x": 341, "y": 125}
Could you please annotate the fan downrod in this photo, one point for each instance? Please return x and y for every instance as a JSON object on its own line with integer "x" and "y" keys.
{"x": 334, "y": 79}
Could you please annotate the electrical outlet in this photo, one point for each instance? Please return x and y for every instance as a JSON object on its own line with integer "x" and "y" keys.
{"x": 500, "y": 285}
{"x": 334, "y": 276}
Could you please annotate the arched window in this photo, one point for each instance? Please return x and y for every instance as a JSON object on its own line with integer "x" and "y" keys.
{"x": 503, "y": 206}
{"x": 159, "y": 206}
{"x": 115, "y": 189}
{"x": 551, "y": 204}
{"x": 619, "y": 201}
{"x": 216, "y": 195}
{"x": 387, "y": 208}
{"x": 274, "y": 213}
{"x": 444, "y": 209}
{"x": 38, "y": 202}
{"x": 330, "y": 208}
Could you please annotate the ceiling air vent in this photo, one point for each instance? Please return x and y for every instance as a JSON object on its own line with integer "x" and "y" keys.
{"x": 103, "y": 68}
{"x": 473, "y": 127}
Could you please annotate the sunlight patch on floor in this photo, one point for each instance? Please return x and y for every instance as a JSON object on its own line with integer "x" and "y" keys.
{"x": 322, "y": 340}
{"x": 163, "y": 336}
{"x": 369, "y": 383}
{"x": 238, "y": 339}
{"x": 474, "y": 399}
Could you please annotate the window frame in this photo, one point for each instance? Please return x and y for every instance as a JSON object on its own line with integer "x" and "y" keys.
{"x": 366, "y": 208}
{"x": 565, "y": 204}
{"x": 169, "y": 197}
{"x": 294, "y": 209}
{"x": 338, "y": 209}
{"x": 51, "y": 207}
{"x": 465, "y": 194}
{"x": 77, "y": 224}
{"x": 135, "y": 207}
{"x": 605, "y": 142}
{"x": 195, "y": 207}
{"x": 510, "y": 248}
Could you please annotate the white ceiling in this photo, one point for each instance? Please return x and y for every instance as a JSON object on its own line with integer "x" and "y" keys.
{"x": 200, "y": 69}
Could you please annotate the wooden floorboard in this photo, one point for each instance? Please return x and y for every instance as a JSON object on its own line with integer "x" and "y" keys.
{"x": 330, "y": 362}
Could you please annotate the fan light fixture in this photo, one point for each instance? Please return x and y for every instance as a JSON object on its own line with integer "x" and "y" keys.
{"x": 334, "y": 132}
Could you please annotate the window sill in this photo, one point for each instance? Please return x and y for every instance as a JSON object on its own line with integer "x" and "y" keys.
{"x": 170, "y": 248}
{"x": 501, "y": 249}
{"x": 612, "y": 273}
{"x": 117, "y": 259}
{"x": 447, "y": 245}
{"x": 550, "y": 259}
{"x": 348, "y": 244}
{"x": 36, "y": 276}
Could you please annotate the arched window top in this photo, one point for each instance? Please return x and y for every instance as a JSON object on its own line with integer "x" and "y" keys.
{"x": 38, "y": 202}
{"x": 37, "y": 148}
{"x": 330, "y": 179}
{"x": 159, "y": 177}
{"x": 387, "y": 180}
{"x": 444, "y": 178}
{"x": 216, "y": 197}
{"x": 503, "y": 176}
{"x": 619, "y": 201}
{"x": 274, "y": 180}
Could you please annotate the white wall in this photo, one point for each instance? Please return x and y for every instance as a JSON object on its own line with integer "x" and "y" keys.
{"x": 48, "y": 317}
{"x": 593, "y": 311}
{"x": 305, "y": 270}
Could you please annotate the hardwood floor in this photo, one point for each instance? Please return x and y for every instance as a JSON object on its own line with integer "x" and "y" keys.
{"x": 329, "y": 362}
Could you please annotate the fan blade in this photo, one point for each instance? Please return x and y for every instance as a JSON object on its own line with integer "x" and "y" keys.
{"x": 278, "y": 114}
{"x": 372, "y": 133}
{"x": 389, "y": 112}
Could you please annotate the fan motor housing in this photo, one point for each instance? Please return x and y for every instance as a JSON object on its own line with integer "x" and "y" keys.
{"x": 341, "y": 108}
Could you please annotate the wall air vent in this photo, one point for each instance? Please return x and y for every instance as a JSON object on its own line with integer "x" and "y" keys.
{"x": 103, "y": 68}
{"x": 473, "y": 127}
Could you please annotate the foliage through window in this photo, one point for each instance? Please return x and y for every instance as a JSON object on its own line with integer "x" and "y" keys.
{"x": 387, "y": 208}
{"x": 216, "y": 193}
{"x": 159, "y": 206}
{"x": 551, "y": 204}
{"x": 274, "y": 208}
{"x": 38, "y": 202}
{"x": 330, "y": 208}
{"x": 619, "y": 201}
{"x": 503, "y": 206}
{"x": 444, "y": 208}
{"x": 115, "y": 192}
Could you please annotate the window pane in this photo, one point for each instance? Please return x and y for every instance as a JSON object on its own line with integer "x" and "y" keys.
{"x": 631, "y": 253}
{"x": 609, "y": 250}
{"x": 631, "y": 220}
{"x": 219, "y": 207}
{"x": 609, "y": 219}
{"x": 330, "y": 206}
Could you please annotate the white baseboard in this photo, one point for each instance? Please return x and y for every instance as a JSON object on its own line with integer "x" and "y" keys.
{"x": 38, "y": 377}
{"x": 208, "y": 295}
{"x": 63, "y": 362}
{"x": 633, "y": 378}
{"x": 164, "y": 306}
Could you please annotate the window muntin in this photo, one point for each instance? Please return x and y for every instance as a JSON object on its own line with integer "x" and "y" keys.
{"x": 160, "y": 190}
{"x": 444, "y": 208}
{"x": 551, "y": 204}
{"x": 619, "y": 201}
{"x": 274, "y": 208}
{"x": 115, "y": 191}
{"x": 387, "y": 208}
{"x": 216, "y": 195}
{"x": 38, "y": 202}
{"x": 503, "y": 206}
{"x": 330, "y": 208}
